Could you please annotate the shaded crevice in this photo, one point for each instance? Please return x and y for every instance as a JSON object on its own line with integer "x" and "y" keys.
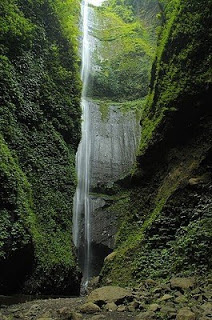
{"x": 16, "y": 269}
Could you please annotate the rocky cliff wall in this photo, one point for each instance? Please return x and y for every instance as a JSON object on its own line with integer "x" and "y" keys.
{"x": 166, "y": 217}
{"x": 118, "y": 77}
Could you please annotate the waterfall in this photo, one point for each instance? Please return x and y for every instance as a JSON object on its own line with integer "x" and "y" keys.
{"x": 105, "y": 154}
{"x": 81, "y": 210}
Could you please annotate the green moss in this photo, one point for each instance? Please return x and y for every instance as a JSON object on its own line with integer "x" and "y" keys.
{"x": 176, "y": 73}
{"x": 141, "y": 250}
{"x": 40, "y": 122}
{"x": 104, "y": 109}
{"x": 124, "y": 52}
{"x": 16, "y": 198}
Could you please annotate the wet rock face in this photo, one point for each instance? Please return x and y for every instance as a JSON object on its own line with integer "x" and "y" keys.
{"x": 104, "y": 224}
{"x": 114, "y": 138}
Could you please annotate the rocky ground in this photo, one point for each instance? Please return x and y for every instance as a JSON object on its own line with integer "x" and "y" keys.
{"x": 180, "y": 299}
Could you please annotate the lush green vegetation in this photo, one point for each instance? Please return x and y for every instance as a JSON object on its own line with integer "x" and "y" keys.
{"x": 125, "y": 50}
{"x": 40, "y": 130}
{"x": 165, "y": 224}
{"x": 182, "y": 67}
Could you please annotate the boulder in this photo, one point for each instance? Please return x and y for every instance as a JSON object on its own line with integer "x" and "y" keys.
{"x": 89, "y": 308}
{"x": 122, "y": 308}
{"x": 182, "y": 283}
{"x": 111, "y": 306}
{"x": 166, "y": 297}
{"x": 108, "y": 294}
{"x": 181, "y": 299}
{"x": 154, "y": 307}
{"x": 185, "y": 314}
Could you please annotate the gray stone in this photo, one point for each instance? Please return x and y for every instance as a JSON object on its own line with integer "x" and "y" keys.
{"x": 185, "y": 314}
{"x": 122, "y": 308}
{"x": 166, "y": 297}
{"x": 154, "y": 307}
{"x": 109, "y": 294}
{"x": 111, "y": 306}
{"x": 181, "y": 299}
{"x": 89, "y": 308}
{"x": 182, "y": 283}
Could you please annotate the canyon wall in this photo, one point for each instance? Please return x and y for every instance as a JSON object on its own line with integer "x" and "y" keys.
{"x": 39, "y": 133}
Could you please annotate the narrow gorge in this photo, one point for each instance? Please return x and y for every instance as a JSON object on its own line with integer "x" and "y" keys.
{"x": 107, "y": 152}
{"x": 105, "y": 159}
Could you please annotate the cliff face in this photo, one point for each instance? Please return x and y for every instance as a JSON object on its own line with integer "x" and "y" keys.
{"x": 165, "y": 222}
{"x": 121, "y": 43}
{"x": 39, "y": 134}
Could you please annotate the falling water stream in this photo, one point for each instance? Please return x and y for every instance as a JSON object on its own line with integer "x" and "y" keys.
{"x": 82, "y": 218}
{"x": 106, "y": 153}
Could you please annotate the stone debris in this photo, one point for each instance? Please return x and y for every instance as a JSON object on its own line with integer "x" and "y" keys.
{"x": 150, "y": 300}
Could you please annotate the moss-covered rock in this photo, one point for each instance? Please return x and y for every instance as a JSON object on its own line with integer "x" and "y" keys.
{"x": 125, "y": 45}
{"x": 40, "y": 130}
{"x": 165, "y": 228}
